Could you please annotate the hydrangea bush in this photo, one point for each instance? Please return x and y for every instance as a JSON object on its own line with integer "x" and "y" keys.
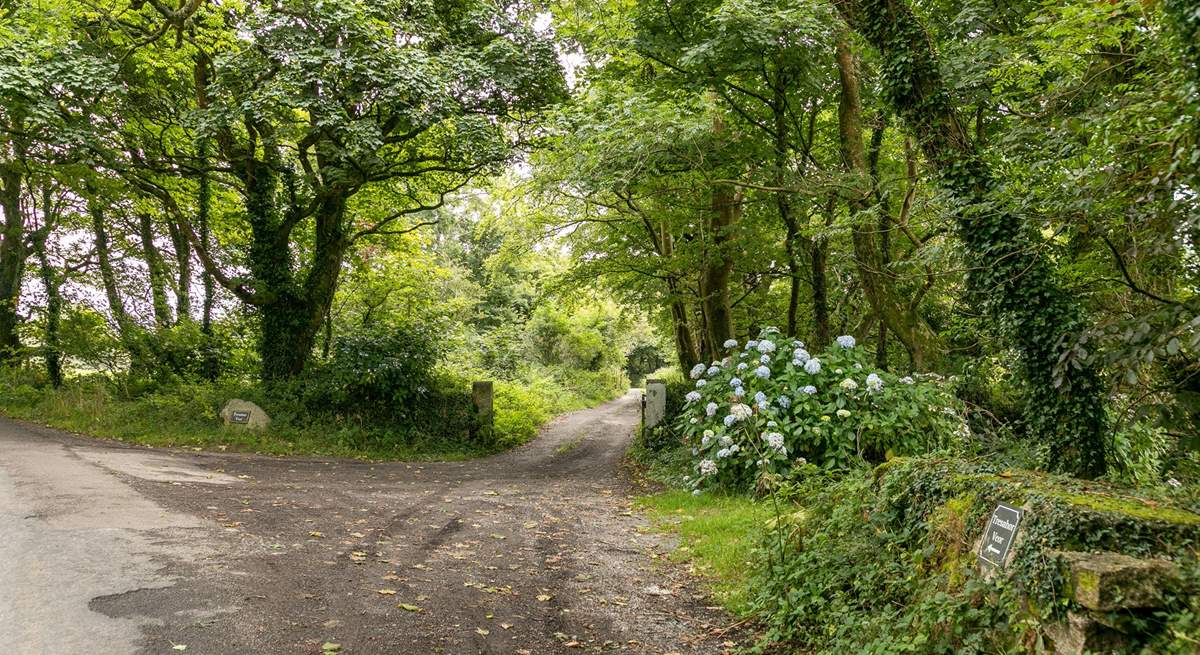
{"x": 770, "y": 404}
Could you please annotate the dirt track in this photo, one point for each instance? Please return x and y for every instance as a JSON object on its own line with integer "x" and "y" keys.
{"x": 111, "y": 549}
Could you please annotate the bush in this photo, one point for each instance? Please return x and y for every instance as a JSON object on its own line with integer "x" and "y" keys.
{"x": 520, "y": 411}
{"x": 766, "y": 405}
{"x": 382, "y": 373}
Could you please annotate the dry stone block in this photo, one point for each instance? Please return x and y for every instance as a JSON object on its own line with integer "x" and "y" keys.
{"x": 1104, "y": 582}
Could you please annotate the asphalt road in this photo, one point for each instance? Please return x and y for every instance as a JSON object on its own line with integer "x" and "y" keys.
{"x": 107, "y": 549}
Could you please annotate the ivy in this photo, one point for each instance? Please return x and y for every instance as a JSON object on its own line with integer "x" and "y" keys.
{"x": 1011, "y": 278}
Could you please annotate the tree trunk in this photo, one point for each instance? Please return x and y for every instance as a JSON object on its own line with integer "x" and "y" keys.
{"x": 908, "y": 326}
{"x": 126, "y": 328}
{"x": 685, "y": 344}
{"x": 183, "y": 268}
{"x": 12, "y": 260}
{"x": 1065, "y": 405}
{"x": 157, "y": 272}
{"x": 51, "y": 349}
{"x": 714, "y": 287}
{"x": 818, "y": 257}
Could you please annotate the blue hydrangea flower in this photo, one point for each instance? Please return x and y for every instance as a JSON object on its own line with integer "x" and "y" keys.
{"x": 784, "y": 402}
{"x": 759, "y": 397}
{"x": 692, "y": 396}
{"x": 765, "y": 359}
{"x": 713, "y": 370}
{"x": 742, "y": 366}
{"x": 738, "y": 392}
{"x": 701, "y": 383}
{"x": 766, "y": 347}
{"x": 763, "y": 372}
{"x": 874, "y": 383}
{"x": 697, "y": 371}
{"x": 846, "y": 341}
{"x": 812, "y": 366}
{"x": 736, "y": 382}
{"x": 710, "y": 409}
{"x": 801, "y": 355}
{"x": 731, "y": 343}
{"x": 730, "y": 420}
{"x": 810, "y": 390}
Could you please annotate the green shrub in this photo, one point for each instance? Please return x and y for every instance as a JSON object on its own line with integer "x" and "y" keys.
{"x": 520, "y": 412}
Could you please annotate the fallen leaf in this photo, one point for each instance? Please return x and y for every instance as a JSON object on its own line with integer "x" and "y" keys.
{"x": 408, "y": 608}
{"x": 481, "y": 631}
{"x": 544, "y": 597}
{"x": 179, "y": 647}
{"x": 387, "y": 592}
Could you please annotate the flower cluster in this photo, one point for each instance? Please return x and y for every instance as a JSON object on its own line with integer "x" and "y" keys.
{"x": 772, "y": 403}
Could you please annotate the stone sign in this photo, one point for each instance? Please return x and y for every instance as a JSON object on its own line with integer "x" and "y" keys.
{"x": 654, "y": 403}
{"x": 245, "y": 413}
{"x": 999, "y": 534}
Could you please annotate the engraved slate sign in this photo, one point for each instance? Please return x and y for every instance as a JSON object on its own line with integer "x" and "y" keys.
{"x": 239, "y": 417}
{"x": 999, "y": 534}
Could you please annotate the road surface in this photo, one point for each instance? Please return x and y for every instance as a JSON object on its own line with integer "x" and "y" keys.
{"x": 107, "y": 549}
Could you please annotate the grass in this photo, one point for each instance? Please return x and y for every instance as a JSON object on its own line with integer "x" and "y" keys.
{"x": 173, "y": 421}
{"x": 718, "y": 536}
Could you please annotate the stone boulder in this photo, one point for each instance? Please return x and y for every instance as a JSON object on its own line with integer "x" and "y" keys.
{"x": 244, "y": 414}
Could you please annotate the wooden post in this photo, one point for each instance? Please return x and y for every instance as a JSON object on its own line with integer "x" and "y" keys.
{"x": 481, "y": 395}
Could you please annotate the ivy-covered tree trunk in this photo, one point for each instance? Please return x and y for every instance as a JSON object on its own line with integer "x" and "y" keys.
{"x": 912, "y": 330}
{"x": 714, "y": 288}
{"x": 685, "y": 343}
{"x": 183, "y": 269}
{"x": 1066, "y": 407}
{"x": 51, "y": 348}
{"x": 12, "y": 259}
{"x": 126, "y": 328}
{"x": 818, "y": 258}
{"x": 157, "y": 272}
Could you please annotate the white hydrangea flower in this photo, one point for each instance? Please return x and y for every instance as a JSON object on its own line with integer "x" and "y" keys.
{"x": 740, "y": 412}
{"x": 708, "y": 467}
{"x": 846, "y": 341}
{"x": 710, "y": 409}
{"x": 1174, "y": 483}
{"x": 874, "y": 383}
{"x": 801, "y": 355}
{"x": 734, "y": 448}
{"x": 694, "y": 421}
{"x": 809, "y": 389}
{"x": 772, "y": 424}
{"x": 730, "y": 343}
{"x": 775, "y": 442}
{"x": 763, "y": 372}
{"x": 766, "y": 347}
{"x": 738, "y": 392}
{"x": 705, "y": 439}
{"x": 848, "y": 384}
{"x": 726, "y": 441}
{"x": 907, "y": 379}
{"x": 701, "y": 383}
{"x": 784, "y": 402}
{"x": 710, "y": 434}
{"x": 697, "y": 371}
{"x": 696, "y": 492}
{"x": 843, "y": 413}
{"x": 692, "y": 396}
{"x": 812, "y": 366}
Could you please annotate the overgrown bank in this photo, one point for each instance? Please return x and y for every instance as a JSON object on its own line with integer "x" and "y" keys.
{"x": 856, "y": 501}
